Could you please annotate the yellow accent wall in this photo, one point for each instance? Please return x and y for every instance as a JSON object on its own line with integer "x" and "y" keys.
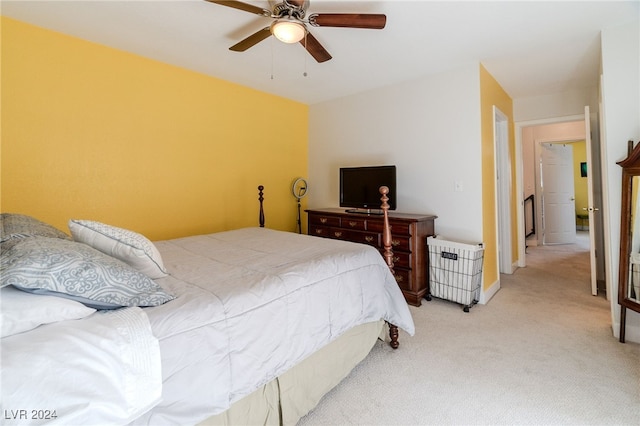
{"x": 91, "y": 132}
{"x": 579, "y": 182}
{"x": 491, "y": 93}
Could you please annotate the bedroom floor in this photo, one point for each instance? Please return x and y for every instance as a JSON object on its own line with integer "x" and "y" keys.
{"x": 541, "y": 352}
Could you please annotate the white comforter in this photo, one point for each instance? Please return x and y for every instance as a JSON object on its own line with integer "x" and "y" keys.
{"x": 104, "y": 369}
{"x": 253, "y": 303}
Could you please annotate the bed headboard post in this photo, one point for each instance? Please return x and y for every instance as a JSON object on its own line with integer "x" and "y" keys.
{"x": 261, "y": 199}
{"x": 386, "y": 229}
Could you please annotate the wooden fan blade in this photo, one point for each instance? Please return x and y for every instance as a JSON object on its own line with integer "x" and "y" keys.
{"x": 348, "y": 20}
{"x": 252, "y": 40}
{"x": 243, "y": 6}
{"x": 314, "y": 48}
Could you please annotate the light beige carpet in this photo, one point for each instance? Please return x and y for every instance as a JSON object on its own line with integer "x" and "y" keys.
{"x": 540, "y": 352}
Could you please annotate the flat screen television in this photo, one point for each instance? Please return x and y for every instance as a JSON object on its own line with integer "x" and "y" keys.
{"x": 360, "y": 187}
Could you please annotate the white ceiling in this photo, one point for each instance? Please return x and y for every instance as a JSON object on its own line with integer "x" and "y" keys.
{"x": 531, "y": 48}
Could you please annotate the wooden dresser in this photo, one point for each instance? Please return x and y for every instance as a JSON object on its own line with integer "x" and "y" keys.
{"x": 409, "y": 233}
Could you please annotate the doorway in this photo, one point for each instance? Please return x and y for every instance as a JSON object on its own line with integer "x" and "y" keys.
{"x": 561, "y": 129}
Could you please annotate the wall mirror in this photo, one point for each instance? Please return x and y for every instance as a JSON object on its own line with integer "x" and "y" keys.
{"x": 629, "y": 278}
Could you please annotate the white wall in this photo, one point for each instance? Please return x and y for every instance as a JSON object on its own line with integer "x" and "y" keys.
{"x": 429, "y": 128}
{"x": 621, "y": 111}
{"x": 562, "y": 104}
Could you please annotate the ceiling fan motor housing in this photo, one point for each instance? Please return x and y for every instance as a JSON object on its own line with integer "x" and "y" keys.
{"x": 290, "y": 8}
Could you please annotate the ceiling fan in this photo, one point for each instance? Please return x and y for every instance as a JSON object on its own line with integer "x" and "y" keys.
{"x": 290, "y": 24}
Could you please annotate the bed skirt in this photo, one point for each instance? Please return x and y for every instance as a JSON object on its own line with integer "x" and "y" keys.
{"x": 285, "y": 400}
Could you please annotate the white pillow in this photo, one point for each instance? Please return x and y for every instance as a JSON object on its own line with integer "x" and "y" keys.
{"x": 24, "y": 311}
{"x": 128, "y": 246}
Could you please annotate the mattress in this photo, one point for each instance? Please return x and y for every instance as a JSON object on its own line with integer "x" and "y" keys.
{"x": 253, "y": 303}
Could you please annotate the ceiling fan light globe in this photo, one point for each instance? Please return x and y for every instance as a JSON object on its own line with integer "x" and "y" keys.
{"x": 288, "y": 31}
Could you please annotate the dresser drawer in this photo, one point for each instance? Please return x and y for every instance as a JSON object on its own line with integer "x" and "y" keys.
{"x": 403, "y": 278}
{"x": 397, "y": 228}
{"x": 354, "y": 223}
{"x": 400, "y": 259}
{"x": 399, "y": 243}
{"x": 324, "y": 220}
{"x": 371, "y": 238}
{"x": 320, "y": 231}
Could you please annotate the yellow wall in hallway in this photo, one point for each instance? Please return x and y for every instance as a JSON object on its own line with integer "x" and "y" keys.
{"x": 492, "y": 94}
{"x": 91, "y": 132}
{"x": 580, "y": 183}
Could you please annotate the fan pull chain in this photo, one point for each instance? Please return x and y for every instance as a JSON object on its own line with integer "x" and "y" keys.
{"x": 271, "y": 59}
{"x": 304, "y": 74}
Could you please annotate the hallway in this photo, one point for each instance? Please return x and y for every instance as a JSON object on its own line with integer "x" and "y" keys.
{"x": 569, "y": 262}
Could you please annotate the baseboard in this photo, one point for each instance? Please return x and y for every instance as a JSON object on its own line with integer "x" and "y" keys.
{"x": 487, "y": 294}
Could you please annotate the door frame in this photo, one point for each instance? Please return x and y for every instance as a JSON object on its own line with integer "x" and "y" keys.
{"x": 503, "y": 190}
{"x": 520, "y": 179}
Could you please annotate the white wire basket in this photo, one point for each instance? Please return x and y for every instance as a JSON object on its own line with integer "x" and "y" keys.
{"x": 455, "y": 271}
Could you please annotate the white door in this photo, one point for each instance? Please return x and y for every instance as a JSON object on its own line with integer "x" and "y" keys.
{"x": 558, "y": 195}
{"x": 590, "y": 202}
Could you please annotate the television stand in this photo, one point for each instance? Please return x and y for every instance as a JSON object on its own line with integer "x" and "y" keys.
{"x": 365, "y": 211}
{"x": 409, "y": 234}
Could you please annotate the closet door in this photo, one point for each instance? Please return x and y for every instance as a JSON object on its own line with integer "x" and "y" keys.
{"x": 558, "y": 192}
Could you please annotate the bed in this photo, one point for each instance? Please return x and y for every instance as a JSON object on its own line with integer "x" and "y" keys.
{"x": 249, "y": 326}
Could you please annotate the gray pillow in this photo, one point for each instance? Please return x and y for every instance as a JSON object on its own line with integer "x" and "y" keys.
{"x": 15, "y": 227}
{"x": 64, "y": 268}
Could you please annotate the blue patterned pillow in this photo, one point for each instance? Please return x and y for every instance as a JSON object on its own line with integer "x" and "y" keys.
{"x": 76, "y": 271}
{"x": 15, "y": 227}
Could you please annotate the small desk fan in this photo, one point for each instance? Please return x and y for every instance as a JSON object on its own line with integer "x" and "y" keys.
{"x": 299, "y": 190}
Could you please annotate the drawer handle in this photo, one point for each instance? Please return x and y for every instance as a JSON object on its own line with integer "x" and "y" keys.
{"x": 395, "y": 243}
{"x": 353, "y": 224}
{"x": 396, "y": 259}
{"x": 398, "y": 278}
{"x": 338, "y": 234}
{"x": 319, "y": 231}
{"x": 323, "y": 220}
{"x": 368, "y": 238}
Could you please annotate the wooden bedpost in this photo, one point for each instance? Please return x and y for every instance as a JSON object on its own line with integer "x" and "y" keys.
{"x": 386, "y": 229}
{"x": 388, "y": 254}
{"x": 261, "y": 199}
